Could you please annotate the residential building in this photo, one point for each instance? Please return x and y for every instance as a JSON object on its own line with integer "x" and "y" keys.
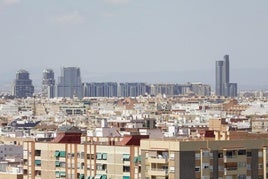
{"x": 67, "y": 157}
{"x": 70, "y": 84}
{"x": 22, "y": 86}
{"x": 108, "y": 89}
{"x": 239, "y": 155}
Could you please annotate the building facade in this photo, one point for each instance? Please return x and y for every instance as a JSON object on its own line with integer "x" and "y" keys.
{"x": 217, "y": 159}
{"x": 22, "y": 86}
{"x": 83, "y": 161}
{"x": 70, "y": 84}
{"x": 48, "y": 84}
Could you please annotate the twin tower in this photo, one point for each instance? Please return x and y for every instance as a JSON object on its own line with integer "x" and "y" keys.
{"x": 69, "y": 84}
{"x": 223, "y": 85}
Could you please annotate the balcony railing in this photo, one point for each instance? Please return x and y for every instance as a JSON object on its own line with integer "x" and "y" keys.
{"x": 158, "y": 172}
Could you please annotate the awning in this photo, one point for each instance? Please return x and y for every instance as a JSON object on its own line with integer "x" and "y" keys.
{"x": 126, "y": 156}
{"x": 62, "y": 153}
{"x": 81, "y": 176}
{"x": 37, "y": 162}
{"x": 104, "y": 156}
{"x": 57, "y": 163}
{"x": 90, "y": 177}
{"x": 57, "y": 153}
{"x": 57, "y": 173}
{"x": 137, "y": 159}
{"x": 104, "y": 177}
{"x": 126, "y": 177}
{"x": 98, "y": 176}
{"x": 62, "y": 174}
{"x": 99, "y": 156}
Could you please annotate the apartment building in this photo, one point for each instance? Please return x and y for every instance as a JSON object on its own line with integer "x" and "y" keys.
{"x": 242, "y": 157}
{"x": 98, "y": 159}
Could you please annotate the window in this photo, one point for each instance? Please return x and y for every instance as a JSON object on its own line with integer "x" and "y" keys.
{"x": 126, "y": 168}
{"x": 37, "y": 162}
{"x": 101, "y": 156}
{"x": 197, "y": 169}
{"x": 242, "y": 177}
{"x": 260, "y": 154}
{"x": 60, "y": 153}
{"x": 172, "y": 169}
{"x": 205, "y": 165}
{"x": 171, "y": 156}
{"x": 38, "y": 173}
{"x": 205, "y": 154}
{"x": 230, "y": 154}
{"x": 57, "y": 163}
{"x": 220, "y": 155}
{"x": 104, "y": 156}
{"x": 126, "y": 157}
{"x": 197, "y": 156}
{"x": 91, "y": 156}
{"x": 242, "y": 164}
{"x": 98, "y": 156}
{"x": 82, "y": 155}
{"x": 249, "y": 154}
{"x": 242, "y": 152}
{"x": 37, "y": 153}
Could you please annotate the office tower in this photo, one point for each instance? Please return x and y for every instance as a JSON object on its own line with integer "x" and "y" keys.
{"x": 22, "y": 86}
{"x": 48, "y": 84}
{"x": 70, "y": 84}
{"x": 223, "y": 86}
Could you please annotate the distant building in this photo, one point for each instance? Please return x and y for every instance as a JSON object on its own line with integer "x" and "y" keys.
{"x": 70, "y": 84}
{"x": 223, "y": 86}
{"x": 108, "y": 89}
{"x": 201, "y": 89}
{"x": 131, "y": 89}
{"x": 22, "y": 86}
{"x": 48, "y": 84}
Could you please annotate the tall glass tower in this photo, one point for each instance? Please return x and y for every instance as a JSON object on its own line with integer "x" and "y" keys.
{"x": 22, "y": 86}
{"x": 70, "y": 84}
{"x": 223, "y": 85}
{"x": 48, "y": 84}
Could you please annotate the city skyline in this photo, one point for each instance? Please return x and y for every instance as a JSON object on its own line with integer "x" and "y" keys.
{"x": 240, "y": 76}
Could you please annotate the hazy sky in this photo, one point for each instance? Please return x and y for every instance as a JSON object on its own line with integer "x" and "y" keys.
{"x": 132, "y": 35}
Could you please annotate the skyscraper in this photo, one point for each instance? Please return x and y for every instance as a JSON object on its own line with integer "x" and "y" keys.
{"x": 223, "y": 85}
{"x": 22, "y": 86}
{"x": 48, "y": 84}
{"x": 70, "y": 84}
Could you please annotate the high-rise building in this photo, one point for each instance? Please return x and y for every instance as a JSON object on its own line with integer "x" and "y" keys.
{"x": 22, "y": 86}
{"x": 223, "y": 85}
{"x": 70, "y": 84}
{"x": 108, "y": 89}
{"x": 48, "y": 84}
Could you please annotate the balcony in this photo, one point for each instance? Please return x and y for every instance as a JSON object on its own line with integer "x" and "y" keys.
{"x": 229, "y": 159}
{"x": 158, "y": 172}
{"x": 157, "y": 159}
{"x": 230, "y": 171}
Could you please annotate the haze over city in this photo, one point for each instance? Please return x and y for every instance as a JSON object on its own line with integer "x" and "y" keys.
{"x": 127, "y": 40}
